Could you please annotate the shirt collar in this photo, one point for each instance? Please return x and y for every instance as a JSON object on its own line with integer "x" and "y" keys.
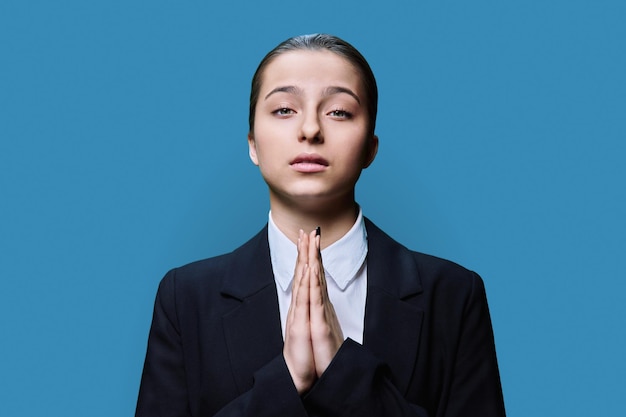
{"x": 342, "y": 260}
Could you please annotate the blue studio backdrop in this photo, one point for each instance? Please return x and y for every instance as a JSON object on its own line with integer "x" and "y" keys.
{"x": 123, "y": 154}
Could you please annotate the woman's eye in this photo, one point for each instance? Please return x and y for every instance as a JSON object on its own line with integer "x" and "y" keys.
{"x": 340, "y": 114}
{"x": 284, "y": 111}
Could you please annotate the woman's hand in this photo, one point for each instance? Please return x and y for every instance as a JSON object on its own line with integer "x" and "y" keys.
{"x": 326, "y": 334}
{"x": 298, "y": 349}
{"x": 313, "y": 334}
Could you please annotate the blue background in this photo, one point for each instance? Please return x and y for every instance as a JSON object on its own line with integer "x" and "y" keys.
{"x": 123, "y": 153}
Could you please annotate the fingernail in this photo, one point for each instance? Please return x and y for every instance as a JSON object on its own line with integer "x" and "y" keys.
{"x": 318, "y": 231}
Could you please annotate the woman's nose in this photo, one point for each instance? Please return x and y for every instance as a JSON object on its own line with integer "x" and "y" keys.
{"x": 311, "y": 130}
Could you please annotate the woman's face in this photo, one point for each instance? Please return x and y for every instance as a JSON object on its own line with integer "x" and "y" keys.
{"x": 311, "y": 138}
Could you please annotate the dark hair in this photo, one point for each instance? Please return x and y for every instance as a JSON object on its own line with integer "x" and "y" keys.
{"x": 318, "y": 42}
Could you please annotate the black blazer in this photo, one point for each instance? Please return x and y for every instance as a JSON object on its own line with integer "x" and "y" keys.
{"x": 215, "y": 345}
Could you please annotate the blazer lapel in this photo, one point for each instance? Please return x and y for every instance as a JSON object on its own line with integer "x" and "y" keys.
{"x": 252, "y": 328}
{"x": 392, "y": 323}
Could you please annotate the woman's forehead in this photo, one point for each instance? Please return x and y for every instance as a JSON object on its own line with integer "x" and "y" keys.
{"x": 306, "y": 67}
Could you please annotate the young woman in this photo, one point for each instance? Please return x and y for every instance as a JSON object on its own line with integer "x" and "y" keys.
{"x": 321, "y": 313}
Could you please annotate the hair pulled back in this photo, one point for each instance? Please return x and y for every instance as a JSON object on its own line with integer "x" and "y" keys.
{"x": 320, "y": 42}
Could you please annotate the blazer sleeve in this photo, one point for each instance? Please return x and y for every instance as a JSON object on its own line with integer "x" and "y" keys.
{"x": 166, "y": 391}
{"x": 357, "y": 383}
{"x": 273, "y": 394}
{"x": 163, "y": 388}
{"x": 476, "y": 388}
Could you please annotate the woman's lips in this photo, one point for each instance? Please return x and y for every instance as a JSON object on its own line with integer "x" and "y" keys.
{"x": 309, "y": 163}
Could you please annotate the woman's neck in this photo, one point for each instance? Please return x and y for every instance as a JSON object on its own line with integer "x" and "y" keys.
{"x": 335, "y": 221}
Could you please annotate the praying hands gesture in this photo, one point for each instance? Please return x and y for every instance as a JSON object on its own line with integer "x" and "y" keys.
{"x": 313, "y": 334}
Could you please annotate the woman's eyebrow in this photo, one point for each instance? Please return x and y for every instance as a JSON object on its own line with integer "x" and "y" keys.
{"x": 338, "y": 90}
{"x": 329, "y": 91}
{"x": 290, "y": 89}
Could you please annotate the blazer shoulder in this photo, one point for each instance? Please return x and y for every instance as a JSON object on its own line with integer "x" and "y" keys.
{"x": 213, "y": 272}
{"x": 435, "y": 266}
{"x": 446, "y": 277}
{"x": 200, "y": 269}
{"x": 432, "y": 272}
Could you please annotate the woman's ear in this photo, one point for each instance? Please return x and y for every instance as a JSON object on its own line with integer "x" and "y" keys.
{"x": 371, "y": 151}
{"x": 252, "y": 149}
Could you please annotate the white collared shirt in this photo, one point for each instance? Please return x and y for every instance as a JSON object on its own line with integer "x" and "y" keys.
{"x": 345, "y": 267}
